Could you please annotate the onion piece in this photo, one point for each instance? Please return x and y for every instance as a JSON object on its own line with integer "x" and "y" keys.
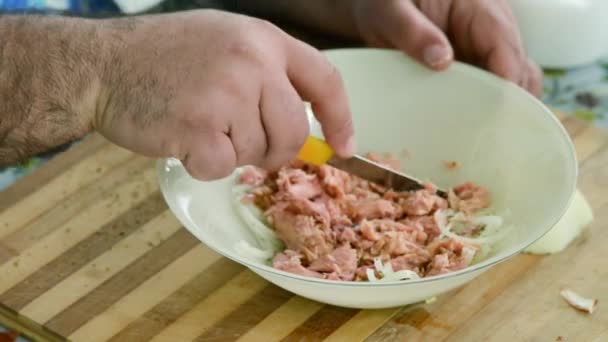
{"x": 489, "y": 236}
{"x": 579, "y": 302}
{"x": 388, "y": 274}
{"x": 248, "y": 251}
{"x": 253, "y": 218}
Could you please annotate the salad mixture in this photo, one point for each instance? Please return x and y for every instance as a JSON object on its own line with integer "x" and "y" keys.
{"x": 324, "y": 223}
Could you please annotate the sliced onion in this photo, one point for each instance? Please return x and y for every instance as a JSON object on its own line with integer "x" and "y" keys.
{"x": 248, "y": 251}
{"x": 388, "y": 274}
{"x": 487, "y": 237}
{"x": 253, "y": 218}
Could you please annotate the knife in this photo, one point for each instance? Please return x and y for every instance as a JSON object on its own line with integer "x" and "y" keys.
{"x": 317, "y": 152}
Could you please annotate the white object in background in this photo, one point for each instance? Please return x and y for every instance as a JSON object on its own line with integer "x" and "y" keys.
{"x": 578, "y": 216}
{"x": 563, "y": 33}
{"x": 135, "y": 6}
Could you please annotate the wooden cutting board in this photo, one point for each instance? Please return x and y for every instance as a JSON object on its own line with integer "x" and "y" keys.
{"x": 90, "y": 252}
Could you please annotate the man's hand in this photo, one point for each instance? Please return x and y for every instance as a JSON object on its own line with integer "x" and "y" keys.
{"x": 480, "y": 32}
{"x": 217, "y": 91}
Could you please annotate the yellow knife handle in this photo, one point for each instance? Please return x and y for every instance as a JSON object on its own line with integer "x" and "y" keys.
{"x": 315, "y": 151}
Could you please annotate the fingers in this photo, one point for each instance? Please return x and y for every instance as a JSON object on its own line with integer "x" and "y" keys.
{"x": 535, "y": 78}
{"x": 505, "y": 62}
{"x": 318, "y": 82}
{"x": 285, "y": 122}
{"x": 487, "y": 34}
{"x": 248, "y": 137}
{"x": 210, "y": 156}
{"x": 411, "y": 31}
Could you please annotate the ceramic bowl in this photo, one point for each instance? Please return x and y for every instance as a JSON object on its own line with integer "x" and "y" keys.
{"x": 503, "y": 139}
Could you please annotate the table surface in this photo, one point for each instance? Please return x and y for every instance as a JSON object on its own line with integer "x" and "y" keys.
{"x": 90, "y": 252}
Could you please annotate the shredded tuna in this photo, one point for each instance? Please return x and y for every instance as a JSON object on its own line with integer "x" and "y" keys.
{"x": 468, "y": 198}
{"x": 253, "y": 176}
{"x": 291, "y": 261}
{"x": 335, "y": 226}
{"x": 452, "y": 256}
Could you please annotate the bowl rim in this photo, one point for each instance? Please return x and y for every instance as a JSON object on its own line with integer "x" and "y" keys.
{"x": 484, "y": 265}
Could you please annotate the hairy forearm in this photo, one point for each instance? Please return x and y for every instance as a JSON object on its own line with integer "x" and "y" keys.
{"x": 331, "y": 16}
{"x": 49, "y": 80}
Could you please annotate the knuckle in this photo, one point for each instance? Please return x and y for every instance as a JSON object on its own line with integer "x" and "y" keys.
{"x": 232, "y": 88}
{"x": 244, "y": 50}
{"x": 265, "y": 26}
{"x": 249, "y": 44}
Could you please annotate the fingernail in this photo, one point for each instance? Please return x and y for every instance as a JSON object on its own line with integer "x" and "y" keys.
{"x": 437, "y": 56}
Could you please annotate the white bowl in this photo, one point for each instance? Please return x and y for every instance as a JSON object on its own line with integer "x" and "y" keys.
{"x": 503, "y": 138}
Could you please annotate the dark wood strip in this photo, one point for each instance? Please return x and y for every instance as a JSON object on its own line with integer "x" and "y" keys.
{"x": 6, "y": 252}
{"x": 180, "y": 302}
{"x": 321, "y": 324}
{"x": 50, "y": 170}
{"x": 82, "y": 253}
{"x": 55, "y": 217}
{"x": 248, "y": 315}
{"x": 28, "y": 328}
{"x": 122, "y": 283}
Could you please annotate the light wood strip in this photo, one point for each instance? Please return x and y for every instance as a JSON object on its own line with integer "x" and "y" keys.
{"x": 213, "y": 308}
{"x": 119, "y": 286}
{"x": 588, "y": 142}
{"x": 77, "y": 229}
{"x": 362, "y": 325}
{"x": 59, "y": 188}
{"x": 82, "y": 253}
{"x": 434, "y": 323}
{"x": 544, "y": 313}
{"x": 146, "y": 296}
{"x": 559, "y": 114}
{"x": 602, "y": 337}
{"x": 282, "y": 321}
{"x": 102, "y": 268}
{"x": 71, "y": 206}
{"x": 179, "y": 302}
{"x": 247, "y": 315}
{"x": 54, "y": 167}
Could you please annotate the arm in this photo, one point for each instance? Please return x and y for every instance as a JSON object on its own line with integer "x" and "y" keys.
{"x": 330, "y": 16}
{"x": 48, "y": 83}
{"x": 213, "y": 89}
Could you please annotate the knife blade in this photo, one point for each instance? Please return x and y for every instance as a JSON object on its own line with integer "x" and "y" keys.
{"x": 317, "y": 152}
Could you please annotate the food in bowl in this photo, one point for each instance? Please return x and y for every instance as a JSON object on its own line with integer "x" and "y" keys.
{"x": 324, "y": 223}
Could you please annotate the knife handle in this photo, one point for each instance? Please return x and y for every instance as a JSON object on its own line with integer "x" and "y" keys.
{"x": 315, "y": 151}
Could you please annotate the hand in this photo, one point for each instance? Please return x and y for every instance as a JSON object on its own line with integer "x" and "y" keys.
{"x": 217, "y": 91}
{"x": 480, "y": 32}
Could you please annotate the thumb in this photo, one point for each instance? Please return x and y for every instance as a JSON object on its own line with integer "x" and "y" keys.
{"x": 410, "y": 31}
